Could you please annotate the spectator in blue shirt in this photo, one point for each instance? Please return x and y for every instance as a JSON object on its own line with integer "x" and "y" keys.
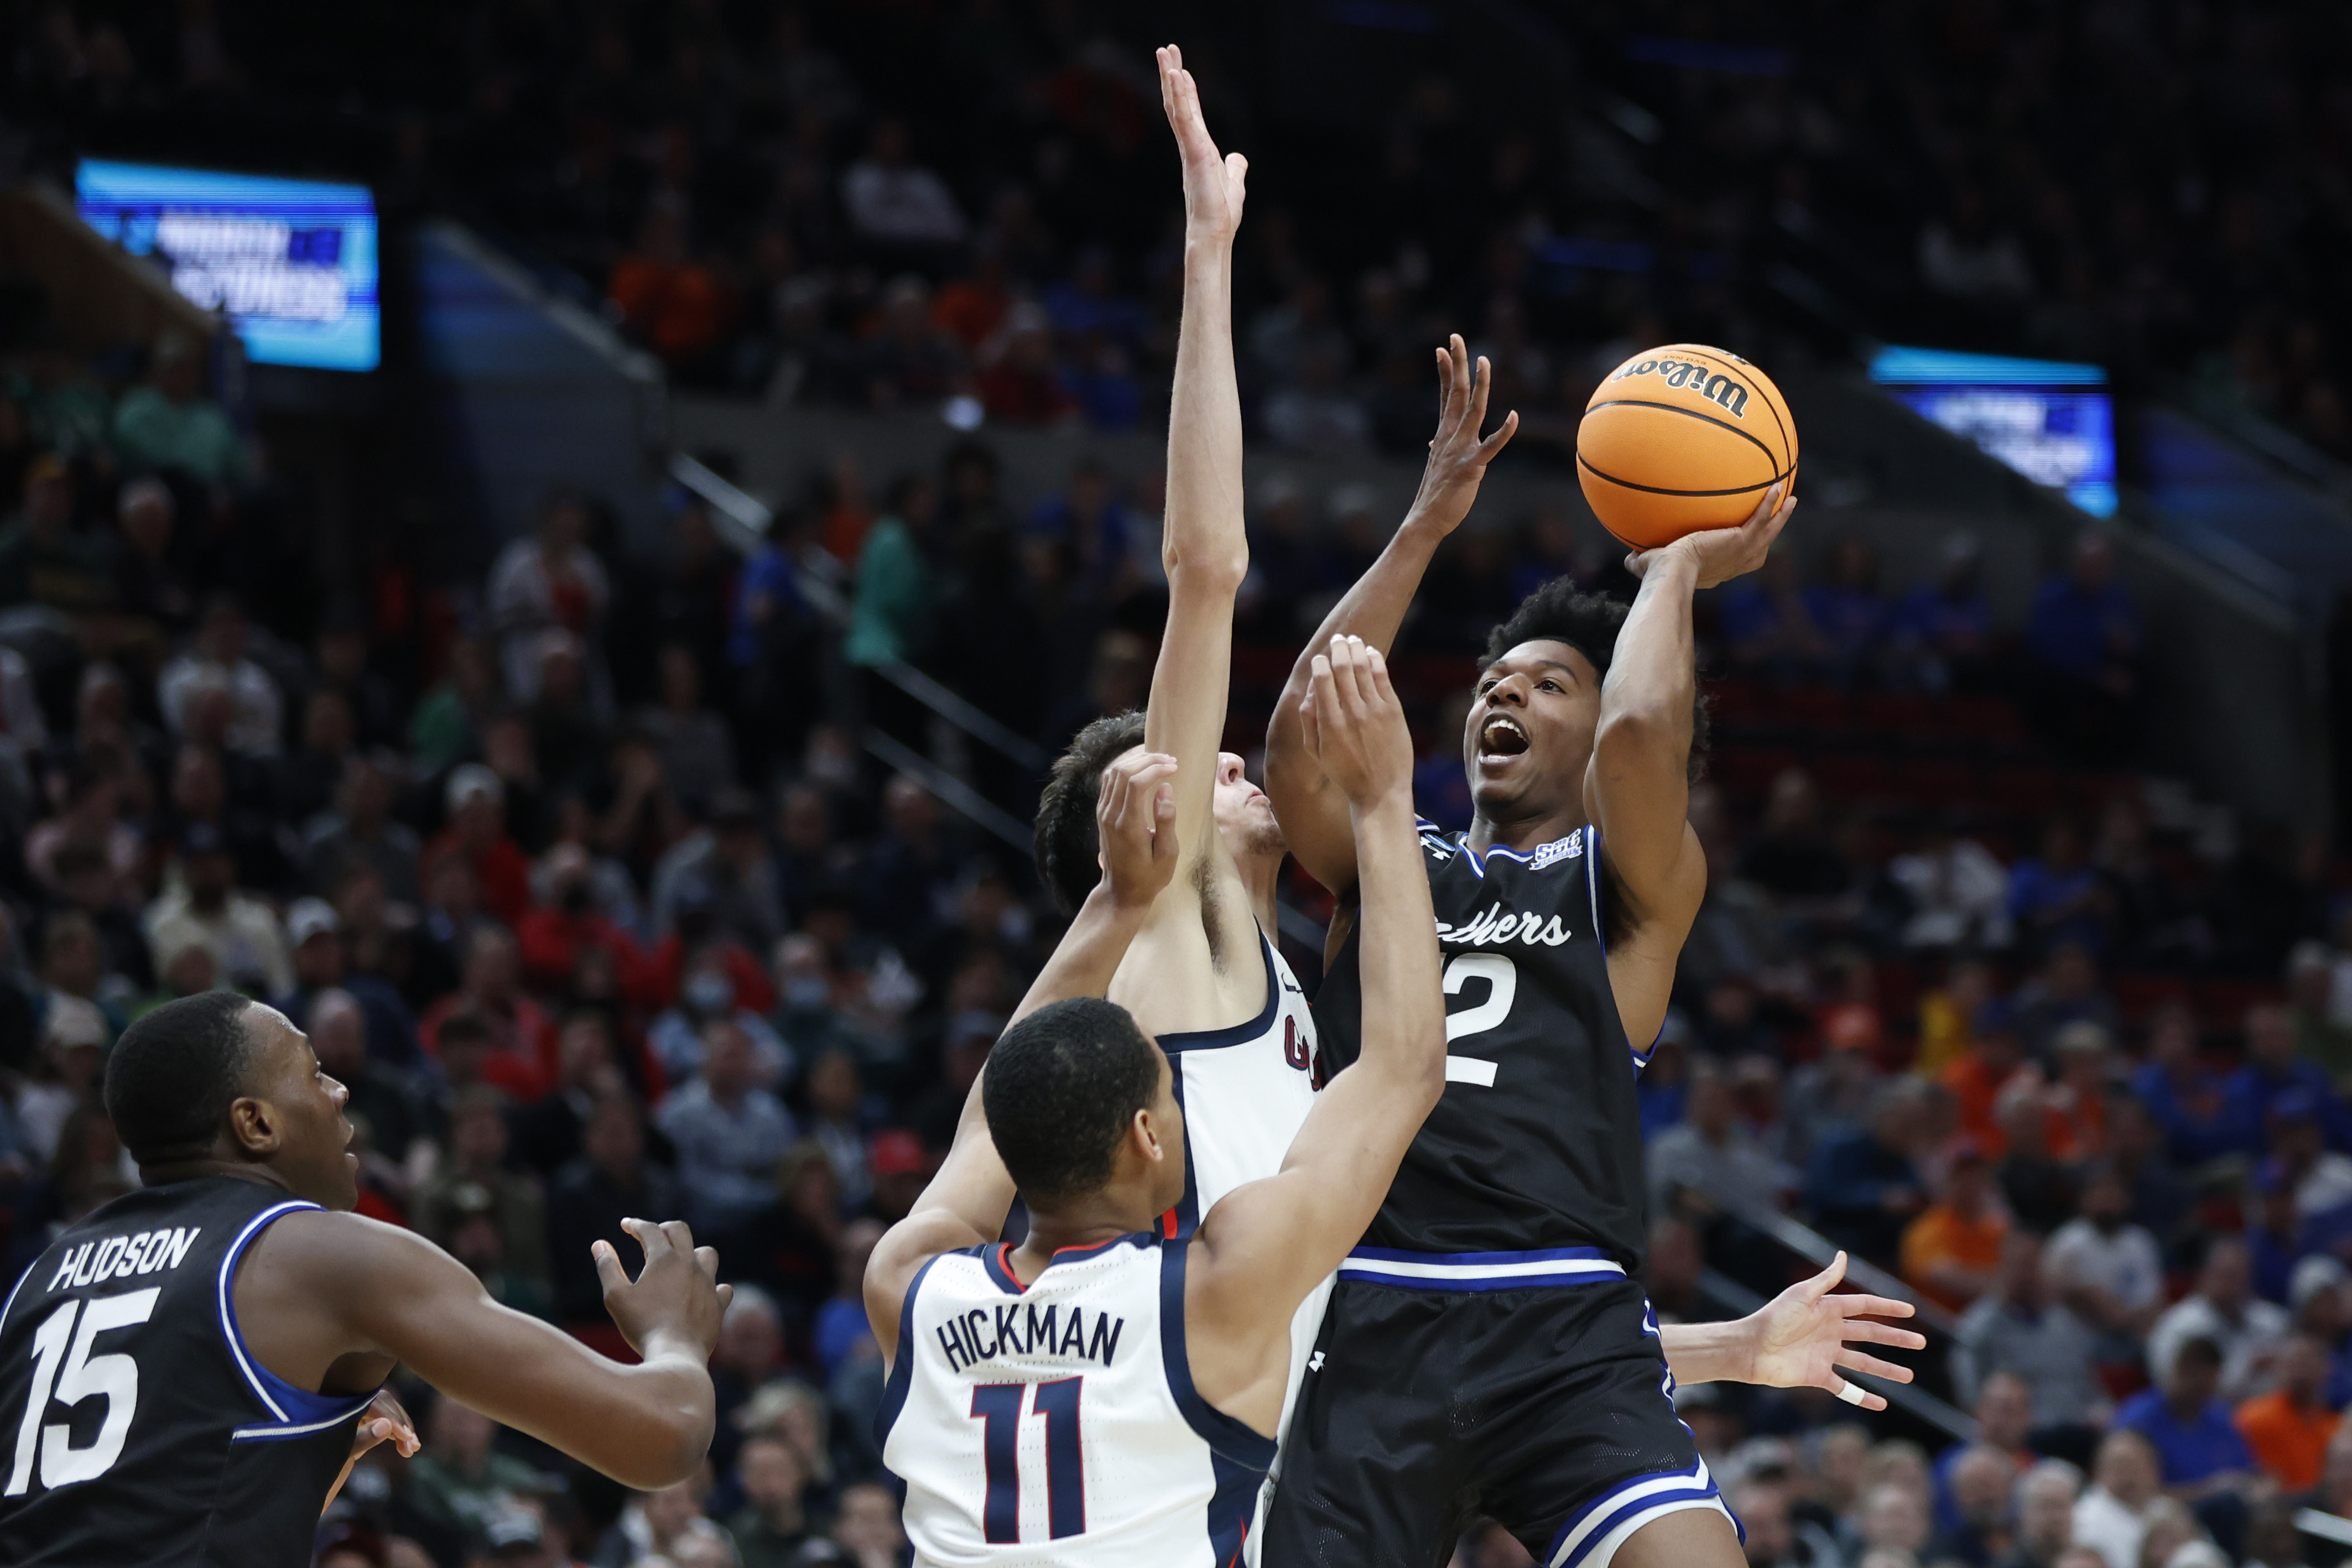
{"x": 1847, "y": 610}
{"x": 2058, "y": 895}
{"x": 2188, "y": 1099}
{"x": 2197, "y": 1448}
{"x": 1088, "y": 520}
{"x": 2272, "y": 1071}
{"x": 2085, "y": 637}
{"x": 2083, "y": 626}
{"x": 1943, "y": 629}
{"x": 1862, "y": 1187}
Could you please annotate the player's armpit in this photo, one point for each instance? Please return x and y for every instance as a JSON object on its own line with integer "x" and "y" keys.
{"x": 387, "y": 1290}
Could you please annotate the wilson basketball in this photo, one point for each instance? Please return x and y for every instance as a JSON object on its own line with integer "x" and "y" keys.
{"x": 1679, "y": 439}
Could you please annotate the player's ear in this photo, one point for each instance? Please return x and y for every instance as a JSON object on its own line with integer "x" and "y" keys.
{"x": 1144, "y": 1136}
{"x": 255, "y": 1126}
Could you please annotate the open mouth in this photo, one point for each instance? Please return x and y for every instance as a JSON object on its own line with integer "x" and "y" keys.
{"x": 1502, "y": 736}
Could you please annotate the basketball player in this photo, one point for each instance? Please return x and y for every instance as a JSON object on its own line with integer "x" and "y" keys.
{"x": 1202, "y": 975}
{"x": 184, "y": 1373}
{"x": 1106, "y": 1393}
{"x": 1487, "y": 1349}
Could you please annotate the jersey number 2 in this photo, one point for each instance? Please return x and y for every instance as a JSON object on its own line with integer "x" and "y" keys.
{"x": 998, "y": 1405}
{"x": 113, "y": 1378}
{"x": 1502, "y": 977}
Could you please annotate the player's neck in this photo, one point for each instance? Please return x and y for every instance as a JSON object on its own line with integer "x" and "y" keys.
{"x": 1105, "y": 1216}
{"x": 1262, "y": 875}
{"x": 1522, "y": 830}
{"x": 197, "y": 1170}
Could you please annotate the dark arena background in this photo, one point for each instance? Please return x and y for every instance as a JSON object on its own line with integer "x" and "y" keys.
{"x": 555, "y": 542}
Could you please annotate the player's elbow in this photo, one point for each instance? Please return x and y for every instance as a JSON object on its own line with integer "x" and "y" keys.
{"x": 1640, "y": 732}
{"x": 669, "y": 1446}
{"x": 1208, "y": 569}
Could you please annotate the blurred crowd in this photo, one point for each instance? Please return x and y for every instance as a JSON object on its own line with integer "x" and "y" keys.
{"x": 905, "y": 203}
{"x": 590, "y": 889}
{"x": 598, "y": 903}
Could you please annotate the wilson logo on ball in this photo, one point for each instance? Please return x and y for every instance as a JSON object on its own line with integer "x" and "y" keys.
{"x": 1717, "y": 388}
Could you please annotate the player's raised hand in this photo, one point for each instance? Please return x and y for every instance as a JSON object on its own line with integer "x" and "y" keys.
{"x": 1457, "y": 457}
{"x": 1214, "y": 187}
{"x": 1722, "y": 554}
{"x": 1135, "y": 824}
{"x": 1806, "y": 1337}
{"x": 676, "y": 1296}
{"x": 1355, "y": 725}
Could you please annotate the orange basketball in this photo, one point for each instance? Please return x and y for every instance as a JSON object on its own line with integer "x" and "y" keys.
{"x": 1679, "y": 439}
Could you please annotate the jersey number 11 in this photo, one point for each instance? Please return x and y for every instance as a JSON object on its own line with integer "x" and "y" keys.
{"x": 999, "y": 1405}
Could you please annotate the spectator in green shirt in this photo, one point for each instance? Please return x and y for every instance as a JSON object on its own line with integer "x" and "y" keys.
{"x": 772, "y": 1523}
{"x": 890, "y": 617}
{"x": 170, "y": 424}
{"x": 43, "y": 561}
{"x": 461, "y": 1479}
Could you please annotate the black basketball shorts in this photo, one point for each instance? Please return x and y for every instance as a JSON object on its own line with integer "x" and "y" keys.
{"x": 1433, "y": 1401}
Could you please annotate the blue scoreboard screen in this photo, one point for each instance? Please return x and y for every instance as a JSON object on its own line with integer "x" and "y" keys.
{"x": 291, "y": 263}
{"x": 2051, "y": 420}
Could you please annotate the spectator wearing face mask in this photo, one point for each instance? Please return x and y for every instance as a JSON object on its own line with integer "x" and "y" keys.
{"x": 729, "y": 1131}
{"x": 707, "y": 995}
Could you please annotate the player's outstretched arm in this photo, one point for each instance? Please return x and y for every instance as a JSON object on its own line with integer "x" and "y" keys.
{"x": 966, "y": 1202}
{"x": 1204, "y": 545}
{"x": 1312, "y": 809}
{"x": 358, "y": 1287}
{"x": 1803, "y": 1338}
{"x": 1265, "y": 1244}
{"x": 1637, "y": 787}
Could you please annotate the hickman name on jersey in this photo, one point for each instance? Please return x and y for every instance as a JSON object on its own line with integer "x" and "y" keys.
{"x": 1536, "y": 1146}
{"x": 1058, "y": 1425}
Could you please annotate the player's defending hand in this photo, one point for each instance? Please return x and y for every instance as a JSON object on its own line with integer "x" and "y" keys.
{"x": 1354, "y": 724}
{"x": 1134, "y": 823}
{"x": 1805, "y": 1338}
{"x": 386, "y": 1421}
{"x": 1457, "y": 457}
{"x": 676, "y": 1302}
{"x": 1214, "y": 187}
{"x": 1721, "y": 554}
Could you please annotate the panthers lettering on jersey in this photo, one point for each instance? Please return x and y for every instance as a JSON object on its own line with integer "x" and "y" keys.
{"x": 1534, "y": 1149}
{"x": 135, "y": 1426}
{"x": 1058, "y": 1424}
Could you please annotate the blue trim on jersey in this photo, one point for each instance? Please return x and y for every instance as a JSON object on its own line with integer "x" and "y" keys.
{"x": 14, "y": 1288}
{"x": 1240, "y": 1033}
{"x": 1593, "y": 886}
{"x": 1636, "y": 1499}
{"x": 991, "y": 1259}
{"x": 1226, "y": 1435}
{"x": 298, "y": 1411}
{"x": 1188, "y": 1207}
{"x": 1464, "y": 1272}
{"x": 902, "y": 1366}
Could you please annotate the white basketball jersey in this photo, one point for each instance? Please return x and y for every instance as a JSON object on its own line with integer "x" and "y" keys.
{"x": 1245, "y": 1092}
{"x": 1058, "y": 1425}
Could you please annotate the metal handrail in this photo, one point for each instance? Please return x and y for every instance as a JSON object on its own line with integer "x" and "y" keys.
{"x": 1818, "y": 1250}
{"x": 1739, "y": 1299}
{"x": 745, "y": 522}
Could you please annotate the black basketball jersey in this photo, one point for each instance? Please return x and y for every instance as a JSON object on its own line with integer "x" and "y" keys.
{"x": 1536, "y": 1145}
{"x": 135, "y": 1427}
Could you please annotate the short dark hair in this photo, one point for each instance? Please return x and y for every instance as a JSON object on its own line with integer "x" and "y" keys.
{"x": 1060, "y": 1089}
{"x": 174, "y": 1073}
{"x": 1560, "y": 611}
{"x": 1065, "y": 840}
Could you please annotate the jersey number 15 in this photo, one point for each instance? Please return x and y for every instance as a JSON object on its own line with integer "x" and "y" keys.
{"x": 113, "y": 1378}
